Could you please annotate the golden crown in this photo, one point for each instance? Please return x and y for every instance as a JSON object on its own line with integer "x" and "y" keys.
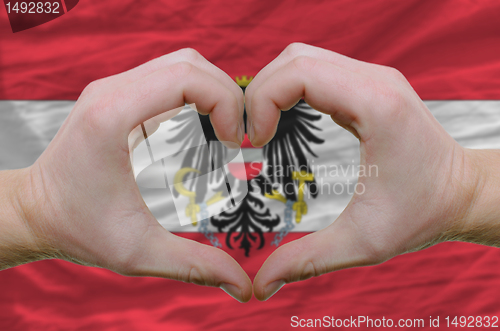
{"x": 243, "y": 81}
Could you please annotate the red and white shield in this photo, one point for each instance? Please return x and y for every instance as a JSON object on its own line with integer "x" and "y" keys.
{"x": 253, "y": 162}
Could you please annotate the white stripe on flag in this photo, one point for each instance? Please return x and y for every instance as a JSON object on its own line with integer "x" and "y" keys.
{"x": 252, "y": 154}
{"x": 26, "y": 128}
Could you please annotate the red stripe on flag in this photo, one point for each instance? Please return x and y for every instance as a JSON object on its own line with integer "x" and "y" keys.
{"x": 446, "y": 49}
{"x": 58, "y": 295}
{"x": 250, "y": 170}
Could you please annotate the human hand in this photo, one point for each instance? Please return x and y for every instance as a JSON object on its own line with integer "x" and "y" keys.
{"x": 424, "y": 186}
{"x": 80, "y": 200}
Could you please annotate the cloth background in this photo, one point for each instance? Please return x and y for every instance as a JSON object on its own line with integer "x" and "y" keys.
{"x": 448, "y": 50}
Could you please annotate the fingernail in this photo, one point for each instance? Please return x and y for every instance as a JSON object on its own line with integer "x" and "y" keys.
{"x": 272, "y": 288}
{"x": 232, "y": 290}
{"x": 250, "y": 130}
{"x": 241, "y": 132}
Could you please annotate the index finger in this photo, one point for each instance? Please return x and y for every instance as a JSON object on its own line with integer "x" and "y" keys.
{"x": 183, "y": 55}
{"x": 114, "y": 115}
{"x": 299, "y": 49}
{"x": 333, "y": 90}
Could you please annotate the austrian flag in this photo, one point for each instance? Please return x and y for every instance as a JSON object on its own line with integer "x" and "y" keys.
{"x": 447, "y": 50}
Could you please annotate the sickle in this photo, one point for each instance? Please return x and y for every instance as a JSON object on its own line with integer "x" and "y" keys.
{"x": 178, "y": 180}
{"x": 192, "y": 208}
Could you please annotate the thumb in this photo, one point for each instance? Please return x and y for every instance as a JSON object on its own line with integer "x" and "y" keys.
{"x": 166, "y": 255}
{"x": 333, "y": 248}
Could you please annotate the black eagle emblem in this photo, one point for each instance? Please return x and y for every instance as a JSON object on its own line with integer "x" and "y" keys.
{"x": 284, "y": 173}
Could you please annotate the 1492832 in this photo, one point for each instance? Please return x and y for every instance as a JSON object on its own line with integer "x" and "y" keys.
{"x": 472, "y": 321}
{"x": 33, "y": 7}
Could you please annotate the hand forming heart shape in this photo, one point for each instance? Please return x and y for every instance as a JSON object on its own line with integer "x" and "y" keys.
{"x": 80, "y": 202}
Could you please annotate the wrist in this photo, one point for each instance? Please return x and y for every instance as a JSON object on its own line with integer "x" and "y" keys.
{"x": 19, "y": 242}
{"x": 479, "y": 193}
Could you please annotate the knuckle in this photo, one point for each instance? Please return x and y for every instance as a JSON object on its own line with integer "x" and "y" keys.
{"x": 393, "y": 73}
{"x": 98, "y": 112}
{"x": 195, "y": 277}
{"x": 295, "y": 49}
{"x": 304, "y": 63}
{"x": 389, "y": 99}
{"x": 191, "y": 275}
{"x": 396, "y": 74}
{"x": 92, "y": 88}
{"x": 310, "y": 269}
{"x": 190, "y": 54}
{"x": 392, "y": 98}
{"x": 181, "y": 69}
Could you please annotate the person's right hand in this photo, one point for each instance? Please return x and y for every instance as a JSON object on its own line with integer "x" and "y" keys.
{"x": 80, "y": 201}
{"x": 425, "y": 185}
